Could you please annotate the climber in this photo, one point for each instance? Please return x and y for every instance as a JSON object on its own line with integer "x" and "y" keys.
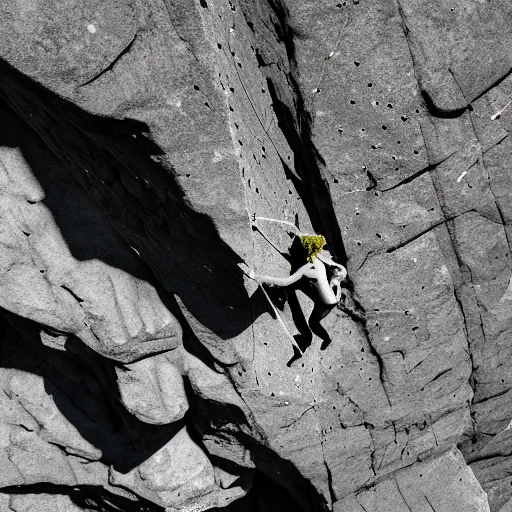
{"x": 325, "y": 293}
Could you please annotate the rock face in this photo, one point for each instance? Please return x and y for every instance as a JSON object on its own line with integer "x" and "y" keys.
{"x": 141, "y": 368}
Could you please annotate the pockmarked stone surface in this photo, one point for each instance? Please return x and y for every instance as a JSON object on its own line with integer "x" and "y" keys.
{"x": 155, "y": 157}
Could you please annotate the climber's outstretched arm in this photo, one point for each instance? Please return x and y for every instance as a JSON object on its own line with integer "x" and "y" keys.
{"x": 284, "y": 281}
{"x": 289, "y": 226}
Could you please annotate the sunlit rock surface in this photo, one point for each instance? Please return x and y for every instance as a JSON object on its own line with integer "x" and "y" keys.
{"x": 141, "y": 369}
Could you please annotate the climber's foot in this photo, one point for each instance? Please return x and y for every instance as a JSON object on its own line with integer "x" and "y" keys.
{"x": 296, "y": 355}
{"x": 325, "y": 344}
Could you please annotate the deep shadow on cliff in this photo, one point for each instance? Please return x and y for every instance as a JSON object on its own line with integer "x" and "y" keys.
{"x": 120, "y": 167}
{"x": 124, "y": 440}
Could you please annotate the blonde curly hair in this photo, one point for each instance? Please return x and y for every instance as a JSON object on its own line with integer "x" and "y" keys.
{"x": 313, "y": 245}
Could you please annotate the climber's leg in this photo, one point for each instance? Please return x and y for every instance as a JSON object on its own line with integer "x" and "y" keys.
{"x": 305, "y": 337}
{"x": 320, "y": 311}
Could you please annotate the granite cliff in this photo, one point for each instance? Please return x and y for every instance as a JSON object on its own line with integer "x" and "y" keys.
{"x": 141, "y": 369}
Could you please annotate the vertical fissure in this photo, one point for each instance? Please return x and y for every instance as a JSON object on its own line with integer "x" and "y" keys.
{"x": 296, "y": 127}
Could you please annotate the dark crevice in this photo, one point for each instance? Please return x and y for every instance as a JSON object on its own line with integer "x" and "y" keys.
{"x": 435, "y": 111}
{"x": 495, "y": 144}
{"x": 24, "y": 427}
{"x": 378, "y": 357}
{"x": 473, "y": 164}
{"x": 112, "y": 64}
{"x": 486, "y": 399}
{"x": 372, "y": 180}
{"x": 472, "y": 379}
{"x": 419, "y": 363}
{"x": 73, "y": 294}
{"x": 299, "y": 418}
{"x": 493, "y": 85}
{"x": 438, "y": 376}
{"x": 430, "y": 504}
{"x": 417, "y": 174}
{"x": 358, "y": 314}
{"x": 424, "y": 232}
{"x": 361, "y": 320}
{"x": 329, "y": 482}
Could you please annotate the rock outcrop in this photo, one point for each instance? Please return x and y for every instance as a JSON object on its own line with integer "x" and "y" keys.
{"x": 141, "y": 368}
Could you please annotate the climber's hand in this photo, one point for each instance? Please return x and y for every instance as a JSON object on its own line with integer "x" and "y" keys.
{"x": 248, "y": 271}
